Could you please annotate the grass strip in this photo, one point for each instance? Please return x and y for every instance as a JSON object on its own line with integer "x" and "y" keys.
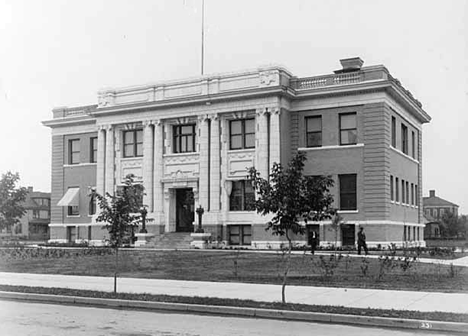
{"x": 404, "y": 314}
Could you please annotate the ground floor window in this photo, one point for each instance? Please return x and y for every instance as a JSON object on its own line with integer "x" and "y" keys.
{"x": 240, "y": 234}
{"x": 71, "y": 234}
{"x": 242, "y": 196}
{"x": 73, "y": 210}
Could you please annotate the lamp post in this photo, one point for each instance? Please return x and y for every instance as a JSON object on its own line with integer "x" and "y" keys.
{"x": 143, "y": 213}
{"x": 200, "y": 212}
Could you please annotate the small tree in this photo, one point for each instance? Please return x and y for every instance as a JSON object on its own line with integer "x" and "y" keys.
{"x": 292, "y": 198}
{"x": 121, "y": 213}
{"x": 11, "y": 198}
{"x": 336, "y": 225}
{"x": 452, "y": 225}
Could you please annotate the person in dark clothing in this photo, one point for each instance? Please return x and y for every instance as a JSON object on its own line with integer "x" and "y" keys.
{"x": 362, "y": 241}
{"x": 313, "y": 242}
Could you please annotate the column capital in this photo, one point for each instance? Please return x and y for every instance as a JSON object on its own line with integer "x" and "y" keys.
{"x": 147, "y": 123}
{"x": 213, "y": 117}
{"x": 275, "y": 110}
{"x": 262, "y": 111}
{"x": 105, "y": 127}
{"x": 157, "y": 122}
{"x": 203, "y": 118}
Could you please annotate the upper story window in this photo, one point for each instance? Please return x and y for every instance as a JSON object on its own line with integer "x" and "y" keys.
{"x": 93, "y": 150}
{"x": 74, "y": 151}
{"x": 348, "y": 192}
{"x": 397, "y": 190}
{"x": 242, "y": 134}
{"x": 404, "y": 139}
{"x": 133, "y": 143}
{"x": 392, "y": 197}
{"x": 413, "y": 145}
{"x": 348, "y": 129}
{"x": 314, "y": 131}
{"x": 242, "y": 196}
{"x": 393, "y": 132}
{"x": 184, "y": 138}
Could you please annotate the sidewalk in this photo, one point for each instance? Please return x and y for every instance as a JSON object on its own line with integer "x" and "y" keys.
{"x": 347, "y": 297}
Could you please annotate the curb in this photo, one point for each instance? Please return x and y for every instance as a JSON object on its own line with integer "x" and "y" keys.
{"x": 241, "y": 312}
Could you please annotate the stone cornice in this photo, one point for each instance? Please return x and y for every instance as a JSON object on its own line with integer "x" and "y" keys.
{"x": 69, "y": 121}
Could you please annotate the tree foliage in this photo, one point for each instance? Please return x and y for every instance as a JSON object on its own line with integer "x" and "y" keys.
{"x": 453, "y": 225}
{"x": 292, "y": 197}
{"x": 120, "y": 212}
{"x": 11, "y": 199}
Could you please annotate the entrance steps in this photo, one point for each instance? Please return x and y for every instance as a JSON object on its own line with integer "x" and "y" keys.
{"x": 171, "y": 240}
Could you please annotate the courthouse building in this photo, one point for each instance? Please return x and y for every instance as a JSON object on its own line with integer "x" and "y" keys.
{"x": 189, "y": 142}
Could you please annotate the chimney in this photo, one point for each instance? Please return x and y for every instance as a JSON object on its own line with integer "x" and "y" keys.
{"x": 350, "y": 64}
{"x": 431, "y": 193}
{"x": 30, "y": 189}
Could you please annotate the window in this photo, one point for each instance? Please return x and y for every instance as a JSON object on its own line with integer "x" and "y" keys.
{"x": 71, "y": 234}
{"x": 413, "y": 145}
{"x": 404, "y": 139}
{"x": 36, "y": 214}
{"x": 93, "y": 150}
{"x": 242, "y": 134}
{"x": 74, "y": 151}
{"x": 348, "y": 192}
{"x": 403, "y": 199}
{"x": 407, "y": 193}
{"x": 240, "y": 234}
{"x": 397, "y": 192}
{"x": 92, "y": 205}
{"x": 73, "y": 210}
{"x": 394, "y": 132}
{"x": 242, "y": 196}
{"x": 416, "y": 201}
{"x": 314, "y": 131}
{"x": 133, "y": 143}
{"x": 90, "y": 230}
{"x": 391, "y": 188}
{"x": 348, "y": 129}
{"x": 184, "y": 138}
{"x": 412, "y": 194}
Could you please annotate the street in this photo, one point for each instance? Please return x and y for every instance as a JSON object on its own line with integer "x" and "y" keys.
{"x": 27, "y": 318}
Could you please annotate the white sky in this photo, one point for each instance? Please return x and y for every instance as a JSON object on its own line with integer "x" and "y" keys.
{"x": 60, "y": 53}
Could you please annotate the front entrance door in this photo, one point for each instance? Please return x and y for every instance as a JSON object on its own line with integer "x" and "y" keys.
{"x": 185, "y": 205}
{"x": 348, "y": 234}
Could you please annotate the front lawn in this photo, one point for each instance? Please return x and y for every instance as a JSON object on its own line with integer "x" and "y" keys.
{"x": 240, "y": 266}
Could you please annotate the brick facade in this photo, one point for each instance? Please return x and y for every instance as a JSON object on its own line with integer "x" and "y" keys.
{"x": 226, "y": 143}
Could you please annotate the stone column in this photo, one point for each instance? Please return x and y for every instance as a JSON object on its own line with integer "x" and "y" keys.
{"x": 261, "y": 150}
{"x": 158, "y": 172}
{"x": 109, "y": 180}
{"x": 275, "y": 136}
{"x": 101, "y": 161}
{"x": 148, "y": 152}
{"x": 215, "y": 168}
{"x": 203, "y": 181}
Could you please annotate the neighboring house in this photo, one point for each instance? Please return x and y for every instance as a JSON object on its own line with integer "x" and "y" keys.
{"x": 434, "y": 208}
{"x": 35, "y": 222}
{"x": 190, "y": 141}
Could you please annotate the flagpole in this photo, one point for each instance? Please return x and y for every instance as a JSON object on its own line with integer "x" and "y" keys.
{"x": 203, "y": 36}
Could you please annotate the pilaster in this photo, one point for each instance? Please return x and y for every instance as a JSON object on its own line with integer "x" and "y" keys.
{"x": 101, "y": 161}
{"x": 203, "y": 148}
{"x": 261, "y": 150}
{"x": 275, "y": 136}
{"x": 109, "y": 164}
{"x": 158, "y": 170}
{"x": 215, "y": 165}
{"x": 148, "y": 152}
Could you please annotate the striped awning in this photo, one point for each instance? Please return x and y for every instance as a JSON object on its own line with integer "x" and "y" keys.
{"x": 71, "y": 198}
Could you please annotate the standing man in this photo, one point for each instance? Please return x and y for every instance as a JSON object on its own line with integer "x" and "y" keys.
{"x": 313, "y": 242}
{"x": 362, "y": 241}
